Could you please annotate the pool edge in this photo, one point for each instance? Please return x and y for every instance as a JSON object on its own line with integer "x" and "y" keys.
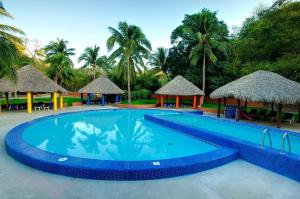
{"x": 110, "y": 170}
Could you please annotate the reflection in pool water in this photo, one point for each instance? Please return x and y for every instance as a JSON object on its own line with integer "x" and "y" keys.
{"x": 111, "y": 135}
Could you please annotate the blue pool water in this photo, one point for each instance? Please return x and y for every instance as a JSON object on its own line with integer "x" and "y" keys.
{"x": 237, "y": 130}
{"x": 112, "y": 135}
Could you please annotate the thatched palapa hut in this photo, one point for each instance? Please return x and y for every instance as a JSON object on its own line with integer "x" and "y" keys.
{"x": 179, "y": 86}
{"x": 30, "y": 80}
{"x": 103, "y": 86}
{"x": 261, "y": 86}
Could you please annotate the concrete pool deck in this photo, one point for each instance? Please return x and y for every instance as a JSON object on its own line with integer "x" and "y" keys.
{"x": 236, "y": 180}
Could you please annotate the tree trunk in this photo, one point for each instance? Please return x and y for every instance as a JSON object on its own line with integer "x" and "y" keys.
{"x": 128, "y": 82}
{"x": 56, "y": 79}
{"x": 203, "y": 76}
{"x": 94, "y": 67}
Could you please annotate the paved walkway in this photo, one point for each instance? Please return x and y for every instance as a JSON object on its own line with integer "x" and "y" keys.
{"x": 236, "y": 180}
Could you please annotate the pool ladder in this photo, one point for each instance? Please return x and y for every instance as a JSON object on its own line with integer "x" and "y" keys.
{"x": 266, "y": 132}
{"x": 285, "y": 137}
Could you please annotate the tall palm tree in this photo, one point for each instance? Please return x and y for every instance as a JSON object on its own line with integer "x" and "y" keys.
{"x": 8, "y": 50}
{"x": 58, "y": 56}
{"x": 133, "y": 47}
{"x": 91, "y": 58}
{"x": 206, "y": 38}
{"x": 159, "y": 60}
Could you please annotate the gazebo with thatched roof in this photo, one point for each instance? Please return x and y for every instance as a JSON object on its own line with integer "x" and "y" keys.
{"x": 104, "y": 86}
{"x": 261, "y": 86}
{"x": 180, "y": 86}
{"x": 30, "y": 80}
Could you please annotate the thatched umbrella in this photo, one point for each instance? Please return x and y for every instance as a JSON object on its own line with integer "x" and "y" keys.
{"x": 102, "y": 85}
{"x": 29, "y": 80}
{"x": 180, "y": 86}
{"x": 261, "y": 86}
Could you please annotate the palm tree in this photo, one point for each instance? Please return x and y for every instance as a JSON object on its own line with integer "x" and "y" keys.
{"x": 206, "y": 38}
{"x": 61, "y": 68}
{"x": 91, "y": 58}
{"x": 133, "y": 47}
{"x": 58, "y": 56}
{"x": 159, "y": 60}
{"x": 8, "y": 50}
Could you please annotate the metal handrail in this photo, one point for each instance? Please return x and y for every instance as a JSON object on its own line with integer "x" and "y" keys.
{"x": 285, "y": 136}
{"x": 266, "y": 131}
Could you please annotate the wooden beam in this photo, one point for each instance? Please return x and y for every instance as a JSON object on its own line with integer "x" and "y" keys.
{"x": 162, "y": 101}
{"x": 29, "y": 102}
{"x": 54, "y": 101}
{"x": 279, "y": 111}
{"x": 6, "y": 100}
{"x": 81, "y": 98}
{"x": 177, "y": 102}
{"x": 219, "y": 107}
{"x": 200, "y": 101}
{"x": 61, "y": 101}
{"x": 195, "y": 102}
{"x": 246, "y": 104}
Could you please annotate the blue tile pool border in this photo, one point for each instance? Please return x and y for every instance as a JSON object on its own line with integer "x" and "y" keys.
{"x": 106, "y": 169}
{"x": 286, "y": 164}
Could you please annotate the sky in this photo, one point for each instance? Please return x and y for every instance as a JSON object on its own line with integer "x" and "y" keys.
{"x": 85, "y": 22}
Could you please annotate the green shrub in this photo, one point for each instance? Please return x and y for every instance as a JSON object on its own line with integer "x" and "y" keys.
{"x": 138, "y": 94}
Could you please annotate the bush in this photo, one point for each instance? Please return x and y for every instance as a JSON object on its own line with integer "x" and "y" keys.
{"x": 138, "y": 94}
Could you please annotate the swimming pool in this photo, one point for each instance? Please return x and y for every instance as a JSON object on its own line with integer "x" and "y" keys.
{"x": 244, "y": 137}
{"x": 111, "y": 144}
{"x": 239, "y": 130}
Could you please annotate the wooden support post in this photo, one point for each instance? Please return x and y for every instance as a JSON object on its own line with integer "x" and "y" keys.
{"x": 61, "y": 101}
{"x": 81, "y": 98}
{"x": 157, "y": 98}
{"x": 29, "y": 102}
{"x": 195, "y": 102}
{"x": 162, "y": 101}
{"x": 238, "y": 114}
{"x": 54, "y": 101}
{"x": 219, "y": 107}
{"x": 245, "y": 107}
{"x": 177, "y": 102}
{"x": 6, "y": 100}
{"x": 88, "y": 99}
{"x": 279, "y": 111}
{"x": 103, "y": 100}
{"x": 200, "y": 101}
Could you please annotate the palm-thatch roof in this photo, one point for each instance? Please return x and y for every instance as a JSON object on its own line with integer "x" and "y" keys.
{"x": 101, "y": 85}
{"x": 179, "y": 86}
{"x": 261, "y": 86}
{"x": 29, "y": 79}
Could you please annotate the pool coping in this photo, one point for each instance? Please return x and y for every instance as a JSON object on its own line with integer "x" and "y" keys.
{"x": 286, "y": 164}
{"x": 107, "y": 169}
